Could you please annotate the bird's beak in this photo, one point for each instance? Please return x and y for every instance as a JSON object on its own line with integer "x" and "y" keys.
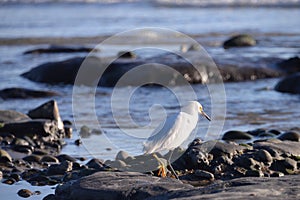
{"x": 205, "y": 115}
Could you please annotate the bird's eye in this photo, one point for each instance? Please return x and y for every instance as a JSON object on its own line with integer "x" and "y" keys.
{"x": 200, "y": 109}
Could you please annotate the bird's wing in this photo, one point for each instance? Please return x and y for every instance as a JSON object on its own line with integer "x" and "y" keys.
{"x": 170, "y": 134}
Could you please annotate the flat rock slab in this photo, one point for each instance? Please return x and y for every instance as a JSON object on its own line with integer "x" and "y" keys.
{"x": 133, "y": 185}
{"x": 118, "y": 185}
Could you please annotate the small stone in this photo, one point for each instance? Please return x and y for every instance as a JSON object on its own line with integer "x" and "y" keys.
{"x": 23, "y": 149}
{"x": 60, "y": 169}
{"x": 50, "y": 159}
{"x": 9, "y": 181}
{"x": 254, "y": 173}
{"x": 242, "y": 40}
{"x": 126, "y": 54}
{"x": 274, "y": 131}
{"x": 236, "y": 135}
{"x": 63, "y": 157}
{"x": 25, "y": 193}
{"x": 277, "y": 174}
{"x": 95, "y": 164}
{"x": 16, "y": 177}
{"x": 204, "y": 174}
{"x": 264, "y": 156}
{"x": 122, "y": 155}
{"x": 291, "y": 135}
{"x": 4, "y": 156}
{"x": 256, "y": 132}
{"x": 84, "y": 131}
{"x": 78, "y": 142}
{"x": 68, "y": 132}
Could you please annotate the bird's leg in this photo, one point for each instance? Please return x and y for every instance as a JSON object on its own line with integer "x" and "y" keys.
{"x": 169, "y": 163}
{"x": 162, "y": 169}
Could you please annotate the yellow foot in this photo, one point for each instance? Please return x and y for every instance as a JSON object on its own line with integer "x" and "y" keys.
{"x": 162, "y": 172}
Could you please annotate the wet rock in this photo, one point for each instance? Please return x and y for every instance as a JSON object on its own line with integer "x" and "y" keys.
{"x": 39, "y": 127}
{"x": 279, "y": 147}
{"x": 60, "y": 49}
{"x": 9, "y": 181}
{"x": 12, "y": 116}
{"x": 291, "y": 65}
{"x": 4, "y": 156}
{"x": 68, "y": 131}
{"x": 16, "y": 177}
{"x": 48, "y": 110}
{"x": 274, "y": 131}
{"x": 25, "y": 193}
{"x": 78, "y": 142}
{"x": 289, "y": 84}
{"x": 65, "y": 72}
{"x": 63, "y": 157}
{"x": 50, "y": 197}
{"x": 23, "y": 149}
{"x": 32, "y": 158}
{"x": 257, "y": 132}
{"x": 236, "y": 135}
{"x": 55, "y": 72}
{"x": 118, "y": 185}
{"x": 95, "y": 164}
{"x": 126, "y": 54}
{"x": 23, "y": 93}
{"x": 49, "y": 158}
{"x": 242, "y": 40}
{"x": 291, "y": 135}
{"x": 60, "y": 169}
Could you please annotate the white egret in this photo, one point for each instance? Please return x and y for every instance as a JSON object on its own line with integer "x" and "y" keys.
{"x": 174, "y": 131}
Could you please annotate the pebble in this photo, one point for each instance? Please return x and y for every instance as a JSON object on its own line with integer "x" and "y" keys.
{"x": 122, "y": 155}
{"x": 25, "y": 193}
{"x": 60, "y": 169}
{"x": 78, "y": 142}
{"x": 264, "y": 156}
{"x": 204, "y": 174}
{"x": 4, "y": 156}
{"x": 50, "y": 159}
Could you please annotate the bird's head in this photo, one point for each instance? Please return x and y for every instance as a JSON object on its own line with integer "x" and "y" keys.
{"x": 201, "y": 111}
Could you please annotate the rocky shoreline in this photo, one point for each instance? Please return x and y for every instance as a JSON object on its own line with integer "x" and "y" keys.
{"x": 241, "y": 162}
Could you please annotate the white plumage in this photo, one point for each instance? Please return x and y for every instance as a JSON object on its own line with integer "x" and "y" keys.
{"x": 175, "y": 130}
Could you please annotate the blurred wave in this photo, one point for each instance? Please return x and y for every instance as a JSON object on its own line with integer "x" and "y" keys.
{"x": 177, "y": 3}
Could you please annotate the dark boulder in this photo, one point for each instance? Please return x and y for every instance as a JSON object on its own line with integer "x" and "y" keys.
{"x": 23, "y": 93}
{"x": 291, "y": 65}
{"x": 48, "y": 110}
{"x": 12, "y": 116}
{"x": 31, "y": 128}
{"x": 60, "y": 49}
{"x": 289, "y": 84}
{"x": 242, "y": 40}
{"x": 55, "y": 72}
{"x": 236, "y": 135}
{"x": 144, "y": 71}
